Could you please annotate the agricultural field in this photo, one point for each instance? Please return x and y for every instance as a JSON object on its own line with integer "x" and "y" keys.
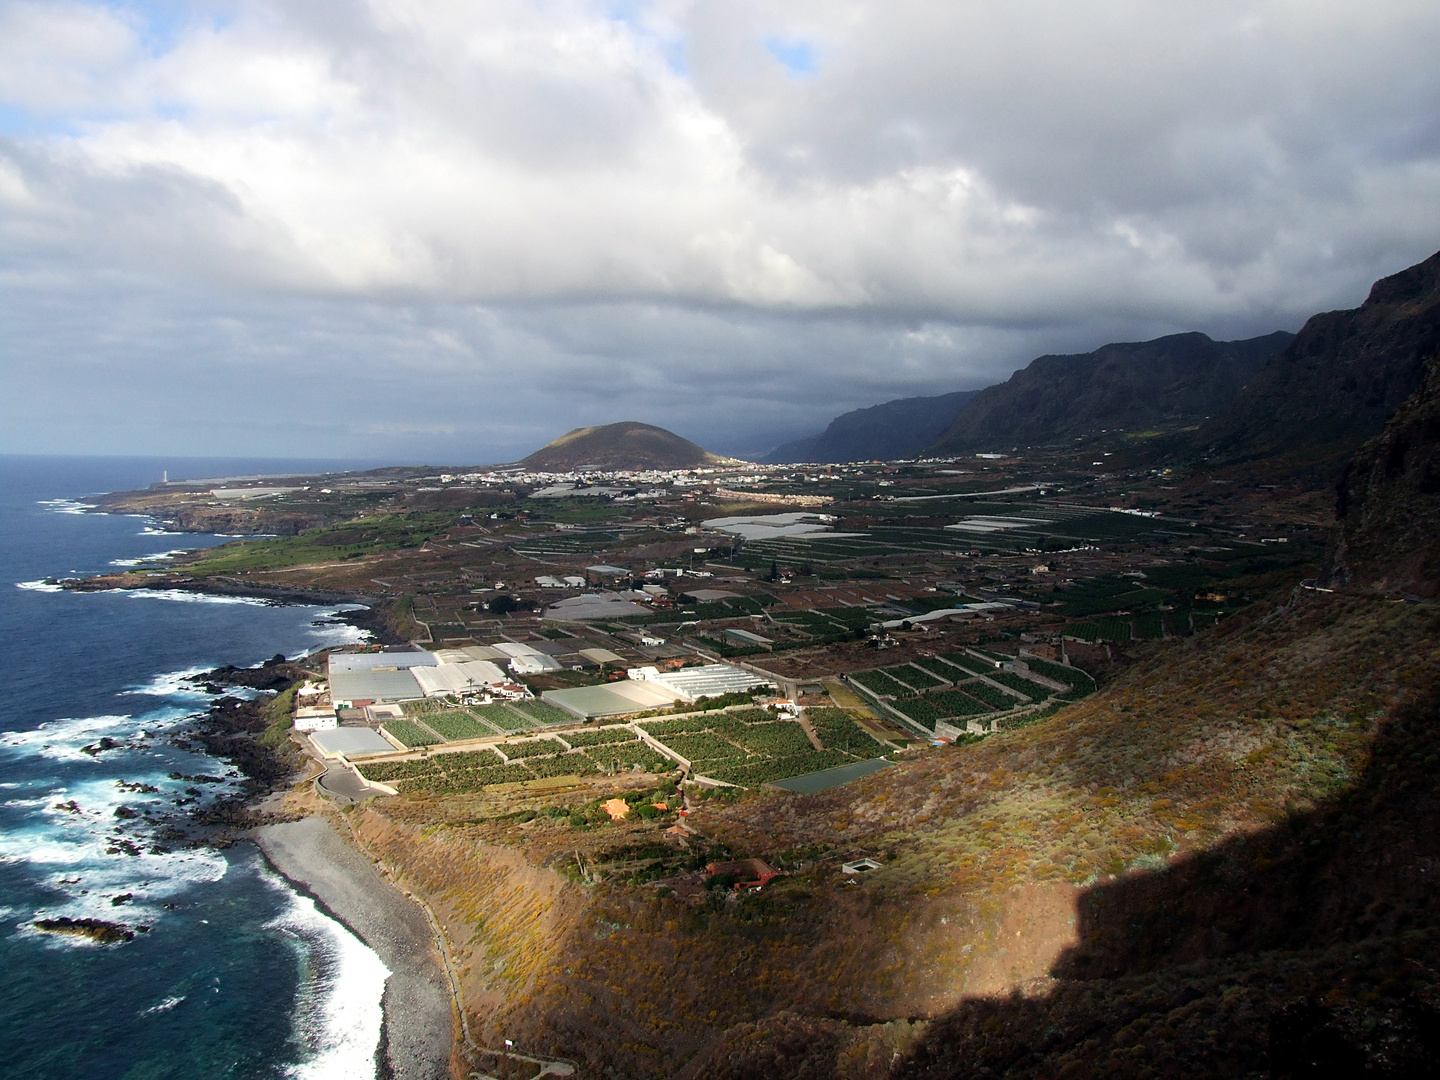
{"x": 880, "y": 683}
{"x": 532, "y": 748}
{"x": 603, "y": 737}
{"x": 1080, "y": 683}
{"x": 455, "y": 725}
{"x": 1032, "y": 690}
{"x": 409, "y": 733}
{"x": 990, "y": 695}
{"x": 966, "y": 662}
{"x": 502, "y": 717}
{"x": 752, "y": 747}
{"x": 940, "y": 669}
{"x": 913, "y": 677}
{"x": 837, "y": 730}
{"x": 542, "y": 712}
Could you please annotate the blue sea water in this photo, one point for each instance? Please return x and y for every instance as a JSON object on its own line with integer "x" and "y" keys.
{"x": 238, "y": 975}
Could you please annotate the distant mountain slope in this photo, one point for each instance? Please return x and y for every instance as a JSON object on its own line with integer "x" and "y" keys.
{"x": 626, "y": 445}
{"x": 1389, "y": 501}
{"x": 1168, "y": 382}
{"x": 1342, "y": 376}
{"x": 896, "y": 429}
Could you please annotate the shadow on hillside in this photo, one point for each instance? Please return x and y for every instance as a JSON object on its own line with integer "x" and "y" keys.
{"x": 1311, "y": 949}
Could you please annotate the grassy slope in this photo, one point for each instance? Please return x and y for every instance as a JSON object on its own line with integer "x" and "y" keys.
{"x": 1232, "y": 733}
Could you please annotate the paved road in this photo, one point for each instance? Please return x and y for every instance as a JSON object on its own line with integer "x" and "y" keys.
{"x": 344, "y": 781}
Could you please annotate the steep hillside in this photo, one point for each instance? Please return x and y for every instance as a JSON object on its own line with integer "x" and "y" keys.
{"x": 1236, "y": 802}
{"x": 1388, "y": 502}
{"x": 1342, "y": 376}
{"x": 1166, "y": 383}
{"x": 896, "y": 429}
{"x": 626, "y": 445}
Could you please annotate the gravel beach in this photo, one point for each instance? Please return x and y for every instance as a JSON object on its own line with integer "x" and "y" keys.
{"x": 419, "y": 1026}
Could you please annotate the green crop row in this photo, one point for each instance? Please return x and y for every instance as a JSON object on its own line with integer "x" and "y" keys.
{"x": 455, "y": 725}
{"x": 774, "y": 740}
{"x": 409, "y": 733}
{"x": 955, "y": 703}
{"x": 1030, "y": 689}
{"x": 603, "y": 737}
{"x": 533, "y": 748}
{"x": 879, "y": 682}
{"x": 995, "y": 698}
{"x": 913, "y": 676}
{"x": 966, "y": 662}
{"x": 838, "y": 731}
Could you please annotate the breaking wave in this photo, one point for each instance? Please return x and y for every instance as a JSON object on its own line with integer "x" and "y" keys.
{"x": 338, "y": 1014}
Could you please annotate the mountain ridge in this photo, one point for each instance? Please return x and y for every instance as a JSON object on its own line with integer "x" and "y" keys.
{"x": 884, "y": 432}
{"x": 1167, "y": 382}
{"x": 1341, "y": 378}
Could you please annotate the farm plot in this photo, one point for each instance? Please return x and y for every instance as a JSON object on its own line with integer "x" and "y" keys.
{"x": 705, "y": 748}
{"x": 939, "y": 668}
{"x": 502, "y": 718}
{"x": 880, "y": 683}
{"x": 1032, "y": 690}
{"x": 920, "y": 710}
{"x": 388, "y": 772}
{"x": 955, "y": 703}
{"x": 966, "y": 662}
{"x": 737, "y": 751}
{"x": 1080, "y": 683}
{"x": 603, "y": 737}
{"x": 518, "y": 751}
{"x": 771, "y": 769}
{"x": 457, "y": 724}
{"x": 409, "y": 733}
{"x": 838, "y": 731}
{"x": 573, "y": 764}
{"x": 779, "y": 739}
{"x": 541, "y": 712}
{"x": 913, "y": 677}
{"x": 990, "y": 695}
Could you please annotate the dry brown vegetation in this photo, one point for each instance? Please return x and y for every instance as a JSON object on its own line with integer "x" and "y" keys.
{"x": 987, "y": 852}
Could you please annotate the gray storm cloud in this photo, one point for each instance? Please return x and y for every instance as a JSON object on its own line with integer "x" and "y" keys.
{"x": 734, "y": 218}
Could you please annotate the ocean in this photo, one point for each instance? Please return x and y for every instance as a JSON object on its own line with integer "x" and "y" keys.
{"x": 238, "y": 975}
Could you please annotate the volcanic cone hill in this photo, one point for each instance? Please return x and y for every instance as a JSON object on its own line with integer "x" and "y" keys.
{"x": 626, "y": 445}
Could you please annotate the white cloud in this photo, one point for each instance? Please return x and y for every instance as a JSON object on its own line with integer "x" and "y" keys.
{"x": 797, "y": 181}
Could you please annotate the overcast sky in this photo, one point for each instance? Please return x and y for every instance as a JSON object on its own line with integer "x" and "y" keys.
{"x": 449, "y": 231}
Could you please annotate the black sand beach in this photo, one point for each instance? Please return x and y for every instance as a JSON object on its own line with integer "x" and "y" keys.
{"x": 419, "y": 1027}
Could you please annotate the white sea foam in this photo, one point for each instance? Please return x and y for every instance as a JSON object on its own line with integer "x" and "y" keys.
{"x": 173, "y": 684}
{"x": 39, "y": 586}
{"x": 65, "y": 506}
{"x": 164, "y": 1006}
{"x": 185, "y": 597}
{"x": 63, "y": 738}
{"x": 159, "y": 556}
{"x": 151, "y": 530}
{"x": 337, "y": 1014}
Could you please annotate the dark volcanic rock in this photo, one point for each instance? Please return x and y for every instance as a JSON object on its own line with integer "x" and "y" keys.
{"x": 896, "y": 429}
{"x": 107, "y": 933}
{"x": 1165, "y": 383}
{"x": 1341, "y": 378}
{"x": 1388, "y": 502}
